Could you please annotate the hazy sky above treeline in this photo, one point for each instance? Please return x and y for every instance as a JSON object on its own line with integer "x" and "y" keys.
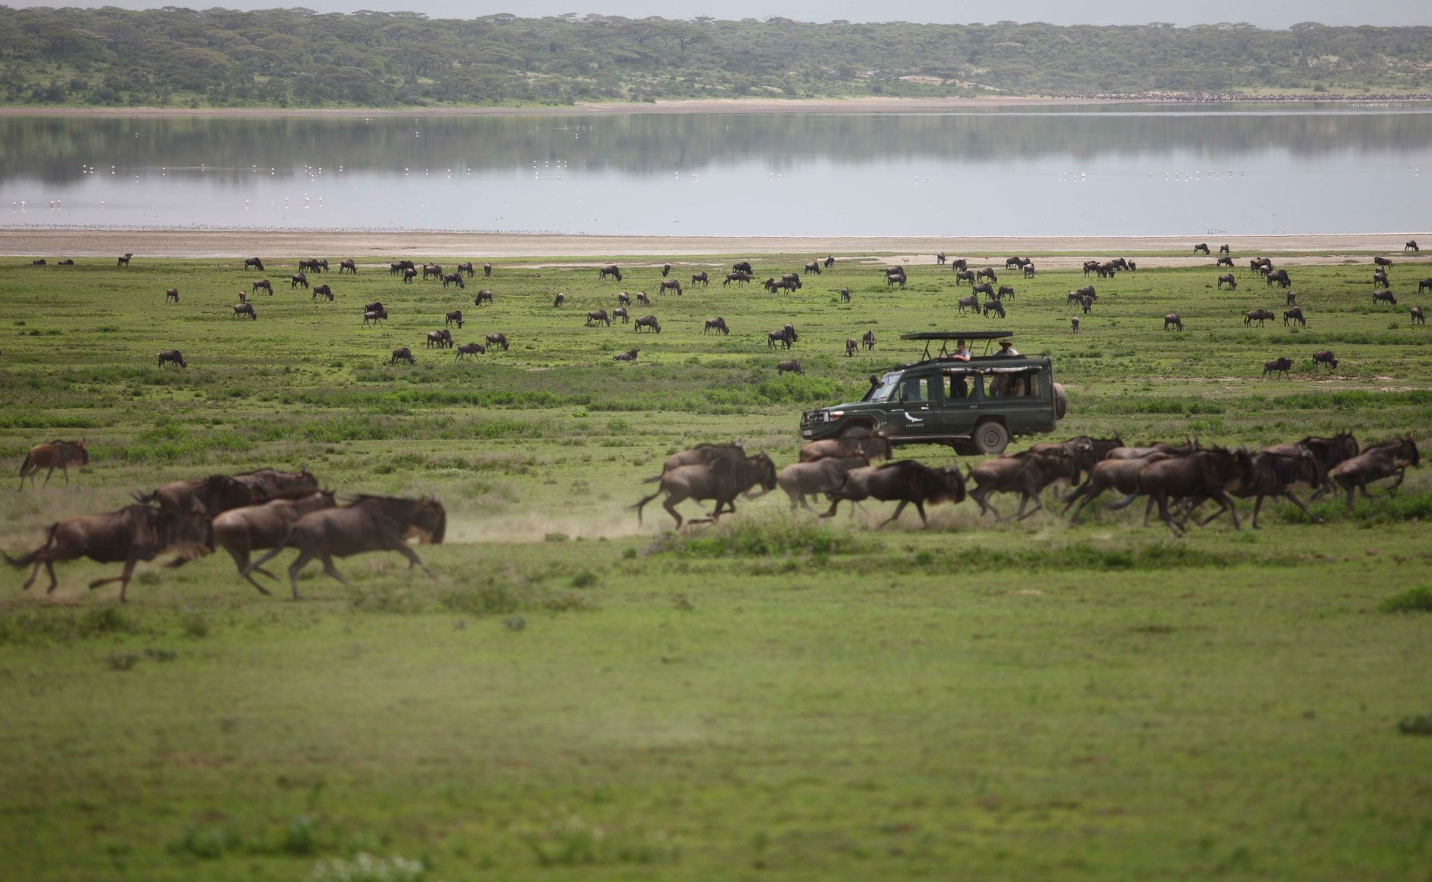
{"x": 1264, "y": 13}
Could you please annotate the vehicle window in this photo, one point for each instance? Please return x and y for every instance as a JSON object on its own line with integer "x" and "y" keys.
{"x": 885, "y": 390}
{"x": 961, "y": 387}
{"x": 915, "y": 389}
{"x": 1014, "y": 386}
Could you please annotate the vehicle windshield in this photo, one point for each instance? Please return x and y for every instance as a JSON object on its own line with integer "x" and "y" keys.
{"x": 884, "y": 389}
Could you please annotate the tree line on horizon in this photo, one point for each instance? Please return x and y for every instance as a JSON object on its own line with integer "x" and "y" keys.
{"x": 300, "y": 58}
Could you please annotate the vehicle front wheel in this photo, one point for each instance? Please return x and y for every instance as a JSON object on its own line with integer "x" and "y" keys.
{"x": 991, "y": 437}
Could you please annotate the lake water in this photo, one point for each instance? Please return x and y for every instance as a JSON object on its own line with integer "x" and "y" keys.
{"x": 1106, "y": 171}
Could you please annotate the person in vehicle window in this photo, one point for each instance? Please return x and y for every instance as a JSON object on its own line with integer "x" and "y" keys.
{"x": 1007, "y": 350}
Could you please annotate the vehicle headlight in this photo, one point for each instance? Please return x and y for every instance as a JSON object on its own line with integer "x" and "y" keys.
{"x": 835, "y": 414}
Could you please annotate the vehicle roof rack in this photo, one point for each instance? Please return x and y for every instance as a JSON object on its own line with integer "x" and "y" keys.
{"x": 946, "y": 336}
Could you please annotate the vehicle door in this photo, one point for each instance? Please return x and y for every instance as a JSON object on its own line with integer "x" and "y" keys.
{"x": 962, "y": 396}
{"x": 915, "y": 402}
{"x": 1022, "y": 396}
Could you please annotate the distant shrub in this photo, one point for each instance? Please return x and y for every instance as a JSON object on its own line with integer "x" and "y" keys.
{"x": 763, "y": 538}
{"x": 195, "y": 625}
{"x": 574, "y": 843}
{"x": 493, "y": 599}
{"x": 123, "y": 661}
{"x": 63, "y": 626}
{"x": 300, "y": 837}
{"x": 1413, "y": 600}
{"x": 1417, "y": 725}
{"x": 206, "y": 841}
{"x": 367, "y": 868}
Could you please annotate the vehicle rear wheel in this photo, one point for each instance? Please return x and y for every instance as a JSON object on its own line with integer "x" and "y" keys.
{"x": 1061, "y": 401}
{"x": 991, "y": 437}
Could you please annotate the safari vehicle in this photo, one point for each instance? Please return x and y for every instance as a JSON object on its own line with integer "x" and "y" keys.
{"x": 976, "y": 406}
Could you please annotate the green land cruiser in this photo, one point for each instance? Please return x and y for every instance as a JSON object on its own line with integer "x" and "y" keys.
{"x": 976, "y": 406}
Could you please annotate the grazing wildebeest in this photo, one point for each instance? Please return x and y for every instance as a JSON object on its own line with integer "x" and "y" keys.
{"x": 467, "y": 269}
{"x": 1379, "y": 280}
{"x": 241, "y": 531}
{"x": 1224, "y": 249}
{"x": 65, "y": 262}
{"x": 624, "y": 298}
{"x": 245, "y": 310}
{"x": 1133, "y": 267}
{"x": 483, "y": 296}
{"x": 773, "y": 286}
{"x": 1004, "y": 291}
{"x": 702, "y": 278}
{"x": 1290, "y": 299}
{"x": 844, "y": 295}
{"x": 829, "y": 261}
{"x": 370, "y": 523}
{"x": 453, "y": 279}
{"x": 124, "y": 259}
{"x": 717, "y": 324}
{"x": 610, "y": 270}
{"x": 559, "y": 299}
{"x": 867, "y": 340}
{"x": 432, "y": 271}
{"x": 1294, "y": 315}
{"x": 1013, "y": 262}
{"x": 789, "y": 278}
{"x": 1277, "y": 366}
{"x": 789, "y": 366}
{"x": 1417, "y": 317}
{"x": 55, "y": 455}
{"x": 396, "y": 267}
{"x": 1026, "y": 473}
{"x": 487, "y": 270}
{"x": 313, "y": 264}
{"x": 1411, "y": 245}
{"x": 402, "y": 354}
{"x": 721, "y": 479}
{"x": 441, "y": 339}
{"x": 738, "y": 278}
{"x": 970, "y": 302}
{"x": 131, "y": 535}
{"x": 629, "y": 355}
{"x": 38, "y": 262}
{"x": 1203, "y": 474}
{"x": 1029, "y": 270}
{"x": 172, "y": 356}
{"x": 994, "y": 306}
{"x": 964, "y": 276}
{"x": 1376, "y": 463}
{"x": 1382, "y": 261}
{"x": 959, "y": 264}
{"x": 1279, "y": 276}
{"x": 497, "y": 340}
{"x": 851, "y": 346}
{"x": 813, "y": 267}
{"x": 454, "y": 318}
{"x": 743, "y": 267}
{"x": 1384, "y": 297}
{"x": 171, "y": 294}
{"x": 1086, "y": 304}
{"x": 1424, "y": 285}
{"x": 895, "y": 276}
{"x": 621, "y": 313}
{"x": 1325, "y": 357}
{"x": 599, "y": 315}
{"x": 665, "y": 270}
{"x": 1090, "y": 266}
{"x": 905, "y": 481}
{"x": 940, "y": 258}
{"x": 646, "y": 321}
{"x": 297, "y": 279}
{"x": 1201, "y": 248}
{"x": 352, "y": 266}
{"x": 373, "y": 316}
{"x": 1172, "y": 320}
{"x": 1074, "y": 324}
{"x": 255, "y": 263}
{"x": 262, "y": 285}
{"x": 1227, "y": 279}
{"x": 322, "y": 291}
{"x": 409, "y": 273}
{"x": 669, "y": 285}
{"x": 473, "y": 349}
{"x": 824, "y": 475}
{"x": 1257, "y": 264}
{"x": 1258, "y": 315}
{"x": 1225, "y": 261}
{"x": 984, "y": 288}
{"x": 987, "y": 273}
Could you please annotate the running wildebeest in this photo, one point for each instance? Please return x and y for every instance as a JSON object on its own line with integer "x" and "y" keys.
{"x": 1203, "y": 474}
{"x": 717, "y": 324}
{"x": 629, "y": 355}
{"x": 57, "y": 454}
{"x": 1258, "y": 315}
{"x": 453, "y": 279}
{"x": 721, "y": 479}
{"x": 699, "y": 455}
{"x": 370, "y": 523}
{"x": 789, "y": 366}
{"x": 322, "y": 291}
{"x": 610, "y": 270}
{"x": 1119, "y": 473}
{"x": 646, "y": 321}
{"x": 497, "y": 340}
{"x": 483, "y": 296}
{"x": 1172, "y": 320}
{"x": 255, "y": 263}
{"x": 598, "y": 315}
{"x": 172, "y": 356}
{"x": 1274, "y": 475}
{"x": 854, "y": 442}
{"x": 1417, "y": 317}
{"x": 867, "y": 340}
{"x": 1227, "y": 279}
{"x": 669, "y": 285}
{"x": 1277, "y": 366}
{"x": 996, "y": 307}
{"x": 1026, "y": 473}
{"x": 559, "y": 300}
{"x": 241, "y": 531}
{"x": 804, "y": 478}
{"x": 297, "y": 279}
{"x": 1384, "y": 297}
{"x": 467, "y": 269}
{"x": 905, "y": 481}
{"x": 1328, "y": 452}
{"x": 473, "y": 349}
{"x": 1325, "y": 357}
{"x": 373, "y": 316}
{"x": 1376, "y": 463}
{"x": 124, "y": 259}
{"x": 441, "y": 339}
{"x": 1294, "y": 315}
{"x": 621, "y": 313}
{"x": 813, "y": 267}
{"x": 701, "y": 278}
{"x": 851, "y": 346}
{"x": 245, "y": 310}
{"x": 1279, "y": 276}
{"x": 402, "y": 353}
{"x": 970, "y": 302}
{"x": 131, "y": 535}
{"x": 171, "y": 294}
{"x": 262, "y": 285}
{"x": 844, "y": 295}
{"x": 454, "y": 318}
{"x": 352, "y": 266}
{"x": 1201, "y": 248}
{"x": 1411, "y": 245}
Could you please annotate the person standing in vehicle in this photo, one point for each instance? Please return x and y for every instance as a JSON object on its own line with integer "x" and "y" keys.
{"x": 1007, "y": 350}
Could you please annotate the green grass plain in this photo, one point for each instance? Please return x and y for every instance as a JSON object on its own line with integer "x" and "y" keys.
{"x": 577, "y": 698}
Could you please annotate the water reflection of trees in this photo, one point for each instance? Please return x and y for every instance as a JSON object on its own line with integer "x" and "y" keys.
{"x": 56, "y": 149}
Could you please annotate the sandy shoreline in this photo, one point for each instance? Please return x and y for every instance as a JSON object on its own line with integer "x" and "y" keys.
{"x": 59, "y": 243}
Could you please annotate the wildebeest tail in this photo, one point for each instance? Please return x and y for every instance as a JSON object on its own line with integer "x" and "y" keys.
{"x": 643, "y": 503}
{"x": 27, "y": 560}
{"x": 652, "y": 480}
{"x": 29, "y": 458}
{"x": 1123, "y": 503}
